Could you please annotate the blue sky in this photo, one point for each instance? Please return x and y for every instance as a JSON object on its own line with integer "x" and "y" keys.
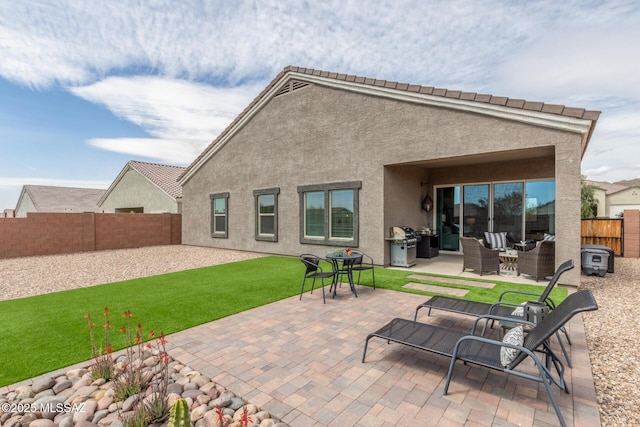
{"x": 86, "y": 86}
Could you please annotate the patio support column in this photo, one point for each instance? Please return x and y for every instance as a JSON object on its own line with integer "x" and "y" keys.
{"x": 568, "y": 201}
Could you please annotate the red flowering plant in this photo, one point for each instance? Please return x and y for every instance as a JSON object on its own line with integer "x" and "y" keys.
{"x": 129, "y": 374}
{"x": 102, "y": 366}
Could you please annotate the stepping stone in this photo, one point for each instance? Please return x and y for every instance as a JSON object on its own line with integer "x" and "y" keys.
{"x": 436, "y": 289}
{"x": 485, "y": 285}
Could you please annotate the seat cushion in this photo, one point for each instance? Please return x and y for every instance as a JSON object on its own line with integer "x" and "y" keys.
{"x": 496, "y": 240}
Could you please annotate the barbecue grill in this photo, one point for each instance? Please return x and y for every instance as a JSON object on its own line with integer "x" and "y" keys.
{"x": 403, "y": 246}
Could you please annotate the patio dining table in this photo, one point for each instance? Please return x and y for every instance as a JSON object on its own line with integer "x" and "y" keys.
{"x": 347, "y": 264}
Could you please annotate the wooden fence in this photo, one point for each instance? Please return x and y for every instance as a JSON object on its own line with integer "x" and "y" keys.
{"x": 607, "y": 232}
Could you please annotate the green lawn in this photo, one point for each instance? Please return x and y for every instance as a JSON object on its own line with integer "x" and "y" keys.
{"x": 46, "y": 332}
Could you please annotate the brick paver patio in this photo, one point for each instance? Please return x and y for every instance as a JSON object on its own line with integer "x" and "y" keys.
{"x": 301, "y": 361}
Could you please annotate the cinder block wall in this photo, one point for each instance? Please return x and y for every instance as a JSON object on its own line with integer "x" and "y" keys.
{"x": 59, "y": 233}
{"x": 632, "y": 233}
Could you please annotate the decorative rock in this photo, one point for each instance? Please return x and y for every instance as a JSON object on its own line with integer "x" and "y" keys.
{"x": 46, "y": 392}
{"x": 129, "y": 402}
{"x": 41, "y": 384}
{"x": 175, "y": 388}
{"x": 203, "y": 399}
{"x": 182, "y": 381}
{"x": 193, "y": 394}
{"x": 86, "y": 413}
{"x": 42, "y": 423}
{"x": 27, "y": 419}
{"x": 61, "y": 385}
{"x": 191, "y": 386}
{"x": 77, "y": 372}
{"x": 236, "y": 403}
{"x": 81, "y": 383}
{"x": 267, "y": 423}
{"x": 213, "y": 393}
{"x": 261, "y": 416}
{"x": 105, "y": 402}
{"x": 66, "y": 422}
{"x": 99, "y": 415}
{"x": 211, "y": 419}
{"x": 99, "y": 382}
{"x": 198, "y": 413}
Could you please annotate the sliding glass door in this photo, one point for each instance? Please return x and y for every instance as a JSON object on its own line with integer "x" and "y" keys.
{"x": 524, "y": 209}
{"x": 476, "y": 210}
{"x": 507, "y": 209}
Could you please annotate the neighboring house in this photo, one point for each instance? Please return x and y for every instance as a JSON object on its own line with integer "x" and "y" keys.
{"x": 44, "y": 198}
{"x": 144, "y": 188}
{"x": 324, "y": 160}
{"x": 614, "y": 198}
{"x": 9, "y": 213}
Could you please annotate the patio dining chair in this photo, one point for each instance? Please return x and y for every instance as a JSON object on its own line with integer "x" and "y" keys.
{"x": 365, "y": 263}
{"x": 313, "y": 270}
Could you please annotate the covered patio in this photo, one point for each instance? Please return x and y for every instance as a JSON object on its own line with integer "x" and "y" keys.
{"x": 301, "y": 361}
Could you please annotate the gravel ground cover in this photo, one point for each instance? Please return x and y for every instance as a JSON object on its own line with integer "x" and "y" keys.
{"x": 612, "y": 331}
{"x": 28, "y": 276}
{"x": 612, "y": 338}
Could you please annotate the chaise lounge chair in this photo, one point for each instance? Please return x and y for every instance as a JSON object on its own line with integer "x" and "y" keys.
{"x": 487, "y": 352}
{"x": 500, "y": 308}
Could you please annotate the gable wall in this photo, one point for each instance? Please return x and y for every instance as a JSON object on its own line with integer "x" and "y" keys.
{"x": 134, "y": 190}
{"x": 319, "y": 135}
{"x": 26, "y": 205}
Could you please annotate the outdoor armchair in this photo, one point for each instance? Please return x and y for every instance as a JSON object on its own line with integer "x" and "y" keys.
{"x": 492, "y": 354}
{"x": 539, "y": 262}
{"x": 477, "y": 257}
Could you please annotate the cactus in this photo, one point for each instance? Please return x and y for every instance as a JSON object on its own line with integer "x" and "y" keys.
{"x": 179, "y": 416}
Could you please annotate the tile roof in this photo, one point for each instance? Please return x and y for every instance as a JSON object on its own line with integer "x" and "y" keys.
{"x": 64, "y": 199}
{"x": 164, "y": 176}
{"x": 608, "y": 187}
{"x": 520, "y": 104}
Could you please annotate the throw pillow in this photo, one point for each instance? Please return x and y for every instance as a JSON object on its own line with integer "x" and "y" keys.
{"x": 519, "y": 310}
{"x": 549, "y": 237}
{"x": 515, "y": 336}
{"x": 496, "y": 240}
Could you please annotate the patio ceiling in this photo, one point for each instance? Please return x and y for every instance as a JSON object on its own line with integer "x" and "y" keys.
{"x": 494, "y": 157}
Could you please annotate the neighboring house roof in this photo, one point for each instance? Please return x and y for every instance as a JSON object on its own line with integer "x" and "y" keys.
{"x": 576, "y": 120}
{"x": 613, "y": 188}
{"x": 608, "y": 187}
{"x": 62, "y": 199}
{"x": 165, "y": 177}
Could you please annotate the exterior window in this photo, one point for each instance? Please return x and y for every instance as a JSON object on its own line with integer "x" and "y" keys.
{"x": 267, "y": 214}
{"x": 329, "y": 213}
{"x": 219, "y": 215}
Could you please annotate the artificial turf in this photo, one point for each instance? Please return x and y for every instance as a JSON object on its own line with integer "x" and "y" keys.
{"x": 46, "y": 332}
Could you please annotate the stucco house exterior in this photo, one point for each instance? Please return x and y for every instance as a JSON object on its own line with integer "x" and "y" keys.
{"x": 322, "y": 160}
{"x": 143, "y": 187}
{"x": 615, "y": 198}
{"x": 46, "y": 198}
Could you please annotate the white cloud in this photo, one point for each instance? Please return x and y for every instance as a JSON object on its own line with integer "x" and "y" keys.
{"x": 184, "y": 117}
{"x": 163, "y": 150}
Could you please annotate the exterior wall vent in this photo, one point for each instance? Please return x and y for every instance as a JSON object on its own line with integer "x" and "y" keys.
{"x": 291, "y": 86}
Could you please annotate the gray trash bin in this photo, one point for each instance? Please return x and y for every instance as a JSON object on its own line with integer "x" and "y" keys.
{"x": 595, "y": 261}
{"x": 610, "y": 265}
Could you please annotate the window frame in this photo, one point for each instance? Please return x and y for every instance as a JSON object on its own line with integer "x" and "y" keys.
{"x": 218, "y": 196}
{"x": 256, "y": 195}
{"x": 327, "y": 240}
